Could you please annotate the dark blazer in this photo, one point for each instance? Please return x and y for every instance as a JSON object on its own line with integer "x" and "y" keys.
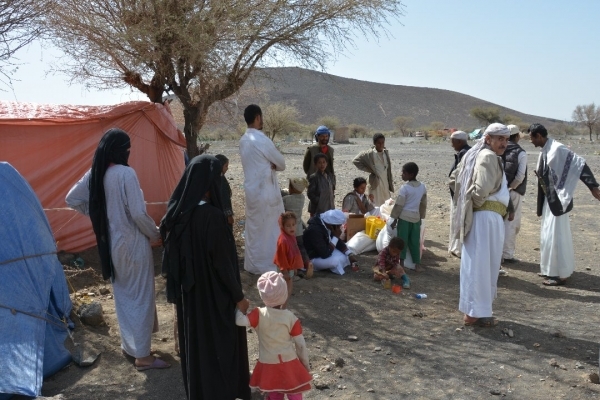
{"x": 316, "y": 240}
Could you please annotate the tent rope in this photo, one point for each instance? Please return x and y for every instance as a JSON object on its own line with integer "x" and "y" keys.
{"x": 26, "y": 257}
{"x": 14, "y": 311}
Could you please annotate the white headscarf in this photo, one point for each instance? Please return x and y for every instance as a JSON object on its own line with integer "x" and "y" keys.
{"x": 465, "y": 175}
{"x": 333, "y": 217}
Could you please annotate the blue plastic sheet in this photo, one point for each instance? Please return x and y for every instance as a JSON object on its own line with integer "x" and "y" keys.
{"x": 34, "y": 298}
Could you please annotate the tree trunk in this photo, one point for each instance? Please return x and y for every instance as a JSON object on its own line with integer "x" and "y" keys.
{"x": 194, "y": 119}
{"x": 590, "y": 134}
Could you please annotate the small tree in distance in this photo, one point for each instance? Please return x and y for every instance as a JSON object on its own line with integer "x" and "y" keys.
{"x": 280, "y": 119}
{"x": 486, "y": 115}
{"x": 330, "y": 122}
{"x": 588, "y": 116}
{"x": 403, "y": 124}
{"x": 357, "y": 131}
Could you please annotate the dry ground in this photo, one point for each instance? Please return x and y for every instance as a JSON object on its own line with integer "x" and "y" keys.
{"x": 406, "y": 347}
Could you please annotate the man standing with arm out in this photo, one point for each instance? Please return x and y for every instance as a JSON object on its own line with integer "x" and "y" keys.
{"x": 458, "y": 140}
{"x": 482, "y": 201}
{"x": 515, "y": 168}
{"x": 376, "y": 161}
{"x": 260, "y": 160}
{"x": 558, "y": 170}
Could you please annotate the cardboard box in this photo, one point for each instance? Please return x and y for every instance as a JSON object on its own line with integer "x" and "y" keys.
{"x": 355, "y": 224}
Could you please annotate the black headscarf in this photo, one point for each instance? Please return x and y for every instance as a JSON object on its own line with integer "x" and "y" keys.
{"x": 113, "y": 148}
{"x": 203, "y": 174}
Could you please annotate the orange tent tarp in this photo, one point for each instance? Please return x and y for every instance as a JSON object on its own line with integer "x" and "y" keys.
{"x": 52, "y": 146}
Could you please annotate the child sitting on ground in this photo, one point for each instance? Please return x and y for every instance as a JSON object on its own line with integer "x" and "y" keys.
{"x": 293, "y": 200}
{"x": 410, "y": 208}
{"x": 356, "y": 202}
{"x": 288, "y": 257}
{"x": 320, "y": 188}
{"x": 282, "y": 367}
{"x": 388, "y": 263}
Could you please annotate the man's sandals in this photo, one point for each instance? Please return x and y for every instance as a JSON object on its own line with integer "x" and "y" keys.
{"x": 486, "y": 322}
{"x": 554, "y": 281}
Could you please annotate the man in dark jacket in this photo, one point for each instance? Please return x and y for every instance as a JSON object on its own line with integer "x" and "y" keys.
{"x": 323, "y": 244}
{"x": 515, "y": 169}
{"x": 458, "y": 140}
{"x": 321, "y": 146}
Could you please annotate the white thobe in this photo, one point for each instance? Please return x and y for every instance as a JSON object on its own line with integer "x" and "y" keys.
{"x": 264, "y": 204}
{"x": 335, "y": 262}
{"x": 480, "y": 259}
{"x": 382, "y": 192}
{"x": 557, "y": 256}
{"x": 512, "y": 228}
{"x": 131, "y": 229}
{"x": 556, "y": 245}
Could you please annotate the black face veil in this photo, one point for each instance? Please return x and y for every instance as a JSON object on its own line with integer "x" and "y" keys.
{"x": 113, "y": 148}
{"x": 202, "y": 175}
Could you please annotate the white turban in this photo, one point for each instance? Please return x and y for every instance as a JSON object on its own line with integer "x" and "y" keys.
{"x": 272, "y": 289}
{"x": 497, "y": 129}
{"x": 513, "y": 129}
{"x": 333, "y": 217}
{"x": 460, "y": 135}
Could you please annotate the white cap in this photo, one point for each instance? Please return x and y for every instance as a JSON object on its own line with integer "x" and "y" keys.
{"x": 460, "y": 135}
{"x": 497, "y": 129}
{"x": 513, "y": 129}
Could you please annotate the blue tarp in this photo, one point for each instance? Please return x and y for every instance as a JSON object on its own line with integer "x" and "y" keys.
{"x": 476, "y": 134}
{"x": 34, "y": 298}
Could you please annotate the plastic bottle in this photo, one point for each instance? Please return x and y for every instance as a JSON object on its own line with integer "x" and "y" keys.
{"x": 420, "y": 296}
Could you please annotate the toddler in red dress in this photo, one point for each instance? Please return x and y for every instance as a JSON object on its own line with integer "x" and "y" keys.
{"x": 288, "y": 256}
{"x": 282, "y": 367}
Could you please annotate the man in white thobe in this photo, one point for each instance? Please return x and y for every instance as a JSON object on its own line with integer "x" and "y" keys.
{"x": 515, "y": 169}
{"x": 558, "y": 170}
{"x": 481, "y": 202}
{"x": 260, "y": 160}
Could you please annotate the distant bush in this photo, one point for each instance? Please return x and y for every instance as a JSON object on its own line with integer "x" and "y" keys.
{"x": 358, "y": 131}
{"x": 330, "y": 122}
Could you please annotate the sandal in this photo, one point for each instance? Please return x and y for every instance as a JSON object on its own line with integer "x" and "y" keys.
{"x": 554, "y": 282}
{"x": 156, "y": 364}
{"x": 486, "y": 322}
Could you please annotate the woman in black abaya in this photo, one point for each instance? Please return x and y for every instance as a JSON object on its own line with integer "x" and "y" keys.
{"x": 203, "y": 280}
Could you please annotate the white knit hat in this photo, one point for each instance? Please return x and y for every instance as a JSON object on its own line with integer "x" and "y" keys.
{"x": 272, "y": 289}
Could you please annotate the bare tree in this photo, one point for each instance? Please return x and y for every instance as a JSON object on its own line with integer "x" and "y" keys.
{"x": 203, "y": 51}
{"x": 403, "y": 124}
{"x": 280, "y": 119}
{"x": 588, "y": 116}
{"x": 17, "y": 30}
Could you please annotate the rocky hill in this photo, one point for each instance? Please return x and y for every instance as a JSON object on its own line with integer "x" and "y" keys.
{"x": 374, "y": 105}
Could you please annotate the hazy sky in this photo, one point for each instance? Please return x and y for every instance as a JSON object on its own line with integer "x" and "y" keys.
{"x": 537, "y": 57}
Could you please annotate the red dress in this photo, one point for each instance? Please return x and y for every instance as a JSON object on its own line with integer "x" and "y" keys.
{"x": 278, "y": 368}
{"x": 288, "y": 256}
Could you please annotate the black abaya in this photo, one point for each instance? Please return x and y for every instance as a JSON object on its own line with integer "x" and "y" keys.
{"x": 214, "y": 353}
